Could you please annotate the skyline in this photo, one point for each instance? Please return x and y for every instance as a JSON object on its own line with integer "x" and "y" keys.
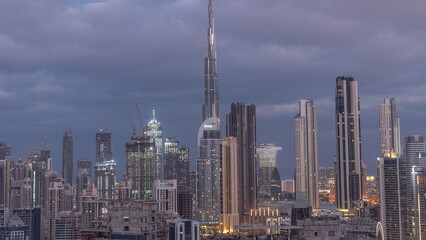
{"x": 275, "y": 109}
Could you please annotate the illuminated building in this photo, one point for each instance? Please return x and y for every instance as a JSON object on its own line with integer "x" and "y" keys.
{"x": 208, "y": 187}
{"x": 266, "y": 154}
{"x": 390, "y": 140}
{"x": 104, "y": 166}
{"x": 55, "y": 205}
{"x": 154, "y": 130}
{"x": 241, "y": 124}
{"x": 183, "y": 229}
{"x": 6, "y": 168}
{"x": 84, "y": 177}
{"x": 141, "y": 166}
{"x": 390, "y": 196}
{"x": 306, "y": 153}
{"x": 230, "y": 215}
{"x": 176, "y": 162}
{"x": 67, "y": 156}
{"x": 412, "y": 147}
{"x": 348, "y": 162}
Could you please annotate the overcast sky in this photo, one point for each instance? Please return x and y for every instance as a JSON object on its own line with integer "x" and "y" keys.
{"x": 80, "y": 64}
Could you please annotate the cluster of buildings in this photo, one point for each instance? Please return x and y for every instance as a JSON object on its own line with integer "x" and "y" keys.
{"x": 236, "y": 188}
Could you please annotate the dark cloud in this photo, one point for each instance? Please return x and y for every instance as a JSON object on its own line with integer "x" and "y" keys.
{"x": 81, "y": 64}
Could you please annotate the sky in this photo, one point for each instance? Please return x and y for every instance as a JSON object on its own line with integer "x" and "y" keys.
{"x": 81, "y": 64}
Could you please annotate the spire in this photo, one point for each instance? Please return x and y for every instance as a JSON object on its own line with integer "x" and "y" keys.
{"x": 211, "y": 105}
{"x": 153, "y": 114}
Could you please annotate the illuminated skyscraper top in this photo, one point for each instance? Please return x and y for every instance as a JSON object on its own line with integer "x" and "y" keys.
{"x": 211, "y": 81}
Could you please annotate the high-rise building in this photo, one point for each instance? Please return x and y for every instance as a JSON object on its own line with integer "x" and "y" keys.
{"x": 390, "y": 196}
{"x": 141, "y": 166}
{"x": 306, "y": 153}
{"x": 229, "y": 215}
{"x": 348, "y": 162}
{"x": 267, "y": 159}
{"x": 287, "y": 186}
{"x": 67, "y": 226}
{"x": 5, "y": 150}
{"x": 413, "y": 146}
{"x": 67, "y": 156}
{"x": 104, "y": 166}
{"x": 390, "y": 136}
{"x": 241, "y": 124}
{"x": 208, "y": 187}
{"x": 84, "y": 178}
{"x": 55, "y": 205}
{"x": 176, "y": 161}
{"x": 154, "y": 130}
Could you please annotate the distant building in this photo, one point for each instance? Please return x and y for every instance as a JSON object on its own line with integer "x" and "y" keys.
{"x": 176, "y": 161}
{"x": 390, "y": 133}
{"x": 266, "y": 155}
{"x": 306, "y": 153}
{"x": 105, "y": 166}
{"x": 67, "y": 157}
{"x": 287, "y": 186}
{"x": 154, "y": 130}
{"x": 241, "y": 124}
{"x": 5, "y": 150}
{"x": 84, "y": 178}
{"x": 13, "y": 228}
{"x": 68, "y": 226}
{"x": 32, "y": 217}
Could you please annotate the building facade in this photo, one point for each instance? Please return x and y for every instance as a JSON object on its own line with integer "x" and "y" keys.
{"x": 348, "y": 162}
{"x": 105, "y": 166}
{"x": 267, "y": 158}
{"x": 67, "y": 156}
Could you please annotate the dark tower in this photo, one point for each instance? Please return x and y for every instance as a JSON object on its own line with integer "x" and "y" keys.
{"x": 67, "y": 156}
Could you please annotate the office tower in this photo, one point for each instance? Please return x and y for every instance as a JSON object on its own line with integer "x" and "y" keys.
{"x": 348, "y": 162}
{"x": 20, "y": 194}
{"x": 141, "y": 166}
{"x": 67, "y": 226}
{"x": 230, "y": 214}
{"x": 390, "y": 196}
{"x": 390, "y": 136}
{"x": 5, "y": 150}
{"x": 266, "y": 154}
{"x": 67, "y": 156}
{"x": 241, "y": 124}
{"x": 183, "y": 229}
{"x": 154, "y": 130}
{"x": 306, "y": 153}
{"x": 208, "y": 192}
{"x": 14, "y": 228}
{"x": 413, "y": 146}
{"x": 6, "y": 168}
{"x": 185, "y": 201}
{"x": 419, "y": 197}
{"x": 91, "y": 208}
{"x": 104, "y": 166}
{"x": 166, "y": 194}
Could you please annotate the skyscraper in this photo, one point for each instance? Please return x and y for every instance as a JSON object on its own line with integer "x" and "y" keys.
{"x": 141, "y": 166}
{"x": 208, "y": 187}
{"x": 5, "y": 150}
{"x": 390, "y": 136}
{"x": 241, "y": 124}
{"x": 229, "y": 215}
{"x": 413, "y": 146}
{"x": 67, "y": 156}
{"x": 306, "y": 153}
{"x": 211, "y": 80}
{"x": 267, "y": 158}
{"x": 104, "y": 166}
{"x": 348, "y": 162}
{"x": 390, "y": 196}
{"x": 84, "y": 178}
{"x": 154, "y": 130}
{"x": 176, "y": 162}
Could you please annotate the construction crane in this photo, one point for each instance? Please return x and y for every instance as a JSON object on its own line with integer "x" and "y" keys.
{"x": 140, "y": 118}
{"x": 131, "y": 123}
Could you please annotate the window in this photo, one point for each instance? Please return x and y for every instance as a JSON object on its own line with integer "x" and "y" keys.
{"x": 332, "y": 233}
{"x": 126, "y": 219}
{"x": 126, "y": 228}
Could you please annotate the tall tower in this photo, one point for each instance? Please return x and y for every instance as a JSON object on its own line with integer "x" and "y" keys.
{"x": 67, "y": 156}
{"x": 211, "y": 80}
{"x": 241, "y": 124}
{"x": 348, "y": 162}
{"x": 306, "y": 153}
{"x": 154, "y": 130}
{"x": 390, "y": 196}
{"x": 390, "y": 136}
{"x": 208, "y": 187}
{"x": 104, "y": 166}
